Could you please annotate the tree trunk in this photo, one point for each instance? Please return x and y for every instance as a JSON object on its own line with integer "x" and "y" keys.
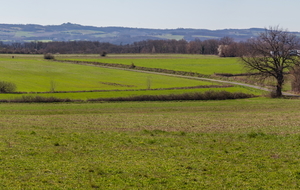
{"x": 278, "y": 91}
{"x": 280, "y": 81}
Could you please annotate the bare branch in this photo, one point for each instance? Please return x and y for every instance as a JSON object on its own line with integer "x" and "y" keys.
{"x": 271, "y": 54}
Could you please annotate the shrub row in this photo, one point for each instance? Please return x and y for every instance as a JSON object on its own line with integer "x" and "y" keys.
{"x": 240, "y": 74}
{"x": 208, "y": 95}
{"x": 37, "y": 99}
{"x": 235, "y": 75}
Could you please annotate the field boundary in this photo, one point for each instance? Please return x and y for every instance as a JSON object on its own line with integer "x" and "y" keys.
{"x": 208, "y": 95}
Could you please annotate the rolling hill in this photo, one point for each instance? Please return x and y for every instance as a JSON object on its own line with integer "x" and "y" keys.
{"x": 116, "y": 35}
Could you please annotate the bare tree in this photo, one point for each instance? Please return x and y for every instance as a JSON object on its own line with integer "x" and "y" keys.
{"x": 270, "y": 54}
{"x": 226, "y": 40}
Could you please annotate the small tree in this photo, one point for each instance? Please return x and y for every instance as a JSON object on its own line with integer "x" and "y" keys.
{"x": 270, "y": 55}
{"x": 52, "y": 86}
{"x": 153, "y": 49}
{"x": 6, "y": 87}
{"x": 48, "y": 56}
{"x": 104, "y": 53}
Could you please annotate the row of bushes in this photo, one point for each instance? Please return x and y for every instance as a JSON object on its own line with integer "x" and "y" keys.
{"x": 208, "y": 95}
{"x": 37, "y": 99}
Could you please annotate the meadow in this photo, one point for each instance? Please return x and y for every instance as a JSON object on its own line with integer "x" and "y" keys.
{"x": 32, "y": 74}
{"x": 36, "y": 75}
{"x": 126, "y": 93}
{"x": 230, "y": 144}
{"x": 207, "y": 65}
{"x": 204, "y": 64}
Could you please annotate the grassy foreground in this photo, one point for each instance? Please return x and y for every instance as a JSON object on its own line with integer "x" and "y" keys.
{"x": 232, "y": 144}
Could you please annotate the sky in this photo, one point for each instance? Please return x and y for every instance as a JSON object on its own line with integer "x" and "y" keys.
{"x": 158, "y": 14}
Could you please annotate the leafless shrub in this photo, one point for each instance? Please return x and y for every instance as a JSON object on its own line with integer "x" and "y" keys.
{"x": 48, "y": 56}
{"x": 132, "y": 66}
{"x": 103, "y": 54}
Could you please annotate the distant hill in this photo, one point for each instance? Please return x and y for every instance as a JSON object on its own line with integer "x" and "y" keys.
{"x": 115, "y": 35}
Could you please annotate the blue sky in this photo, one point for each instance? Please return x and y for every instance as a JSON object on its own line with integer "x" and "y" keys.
{"x": 163, "y": 14}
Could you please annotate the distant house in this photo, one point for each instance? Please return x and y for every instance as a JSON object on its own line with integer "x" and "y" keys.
{"x": 294, "y": 52}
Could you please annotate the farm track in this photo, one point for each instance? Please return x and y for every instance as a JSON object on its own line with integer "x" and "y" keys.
{"x": 183, "y": 76}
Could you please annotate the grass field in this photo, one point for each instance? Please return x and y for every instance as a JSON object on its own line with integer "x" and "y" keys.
{"x": 202, "y": 64}
{"x": 115, "y": 94}
{"x": 31, "y": 73}
{"x": 35, "y": 74}
{"x": 230, "y": 144}
{"x": 236, "y": 144}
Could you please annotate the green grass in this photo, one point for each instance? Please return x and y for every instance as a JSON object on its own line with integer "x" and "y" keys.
{"x": 201, "y": 36}
{"x": 84, "y": 32}
{"x": 203, "y": 64}
{"x": 170, "y": 36}
{"x": 230, "y": 144}
{"x": 35, "y": 74}
{"x": 207, "y": 65}
{"x": 236, "y": 144}
{"x": 115, "y": 94}
{"x": 31, "y": 73}
{"x": 23, "y": 34}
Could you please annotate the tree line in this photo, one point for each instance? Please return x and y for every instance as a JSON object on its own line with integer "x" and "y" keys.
{"x": 224, "y": 47}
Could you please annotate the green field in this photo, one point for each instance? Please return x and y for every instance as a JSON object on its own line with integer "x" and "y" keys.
{"x": 229, "y": 144}
{"x": 31, "y": 73}
{"x": 36, "y": 75}
{"x": 170, "y": 36}
{"x": 236, "y": 144}
{"x": 202, "y": 64}
{"x": 116, "y": 94}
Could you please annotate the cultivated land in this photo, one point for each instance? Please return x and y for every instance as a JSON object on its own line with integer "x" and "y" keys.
{"x": 229, "y": 144}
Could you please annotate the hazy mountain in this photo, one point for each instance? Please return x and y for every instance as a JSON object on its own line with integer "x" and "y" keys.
{"x": 115, "y": 35}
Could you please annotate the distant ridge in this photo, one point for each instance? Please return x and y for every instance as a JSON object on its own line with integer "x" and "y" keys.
{"x": 117, "y": 35}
